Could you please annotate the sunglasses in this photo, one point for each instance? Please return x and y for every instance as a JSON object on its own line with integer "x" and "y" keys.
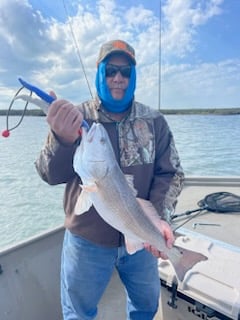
{"x": 112, "y": 70}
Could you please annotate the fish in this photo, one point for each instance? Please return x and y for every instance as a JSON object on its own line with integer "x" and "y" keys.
{"x": 105, "y": 187}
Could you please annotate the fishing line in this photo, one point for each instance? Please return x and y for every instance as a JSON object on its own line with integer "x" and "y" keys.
{"x": 160, "y": 56}
{"x": 6, "y": 132}
{"x": 77, "y": 47}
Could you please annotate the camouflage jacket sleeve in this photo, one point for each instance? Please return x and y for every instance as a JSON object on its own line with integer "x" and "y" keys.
{"x": 54, "y": 163}
{"x": 168, "y": 174}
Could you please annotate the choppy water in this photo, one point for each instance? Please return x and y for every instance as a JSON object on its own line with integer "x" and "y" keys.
{"x": 207, "y": 145}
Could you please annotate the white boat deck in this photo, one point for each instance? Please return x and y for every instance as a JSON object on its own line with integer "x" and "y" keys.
{"x": 211, "y": 289}
{"x": 196, "y": 190}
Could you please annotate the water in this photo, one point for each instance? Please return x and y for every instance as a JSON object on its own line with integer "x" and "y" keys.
{"x": 207, "y": 145}
{"x": 28, "y": 205}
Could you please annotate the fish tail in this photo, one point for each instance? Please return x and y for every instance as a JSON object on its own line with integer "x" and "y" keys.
{"x": 187, "y": 260}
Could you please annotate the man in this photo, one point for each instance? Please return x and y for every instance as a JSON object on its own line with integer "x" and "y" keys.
{"x": 144, "y": 148}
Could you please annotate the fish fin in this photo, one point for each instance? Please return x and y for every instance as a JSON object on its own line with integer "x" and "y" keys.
{"x": 83, "y": 203}
{"x": 132, "y": 246}
{"x": 187, "y": 260}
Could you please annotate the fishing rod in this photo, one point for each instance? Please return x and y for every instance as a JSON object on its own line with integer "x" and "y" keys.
{"x": 46, "y": 99}
{"x": 160, "y": 56}
{"x": 77, "y": 47}
{"x": 219, "y": 202}
{"x": 6, "y": 132}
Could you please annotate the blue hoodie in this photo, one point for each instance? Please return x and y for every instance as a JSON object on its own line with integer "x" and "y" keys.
{"x": 109, "y": 103}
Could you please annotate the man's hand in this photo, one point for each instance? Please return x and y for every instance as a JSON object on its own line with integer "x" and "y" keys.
{"x": 169, "y": 240}
{"x": 155, "y": 251}
{"x": 64, "y": 119}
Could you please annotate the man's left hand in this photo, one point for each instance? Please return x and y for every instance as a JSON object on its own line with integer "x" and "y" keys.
{"x": 167, "y": 234}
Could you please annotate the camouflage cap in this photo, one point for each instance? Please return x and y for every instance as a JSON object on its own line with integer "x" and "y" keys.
{"x": 116, "y": 46}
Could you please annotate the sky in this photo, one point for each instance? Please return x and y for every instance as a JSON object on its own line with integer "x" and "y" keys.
{"x": 187, "y": 51}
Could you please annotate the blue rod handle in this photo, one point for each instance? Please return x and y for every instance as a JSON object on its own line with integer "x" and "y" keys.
{"x": 44, "y": 96}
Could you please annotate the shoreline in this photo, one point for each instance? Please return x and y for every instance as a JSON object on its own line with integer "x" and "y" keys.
{"x": 213, "y": 111}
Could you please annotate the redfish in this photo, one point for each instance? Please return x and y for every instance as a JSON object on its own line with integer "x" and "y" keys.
{"x": 106, "y": 188}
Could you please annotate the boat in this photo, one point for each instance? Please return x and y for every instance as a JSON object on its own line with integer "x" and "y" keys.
{"x": 29, "y": 271}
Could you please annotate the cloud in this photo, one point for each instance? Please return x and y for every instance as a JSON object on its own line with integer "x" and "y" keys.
{"x": 42, "y": 48}
{"x": 196, "y": 85}
{"x": 181, "y": 20}
{"x": 25, "y": 35}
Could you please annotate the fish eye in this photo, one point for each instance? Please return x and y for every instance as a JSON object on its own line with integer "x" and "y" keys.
{"x": 102, "y": 140}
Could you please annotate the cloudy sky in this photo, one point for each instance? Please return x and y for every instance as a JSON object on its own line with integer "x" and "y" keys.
{"x": 200, "y": 48}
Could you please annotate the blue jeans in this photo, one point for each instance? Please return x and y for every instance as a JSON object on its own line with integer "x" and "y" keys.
{"x": 86, "y": 271}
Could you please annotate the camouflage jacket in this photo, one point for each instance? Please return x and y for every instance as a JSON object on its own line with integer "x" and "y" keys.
{"x": 144, "y": 148}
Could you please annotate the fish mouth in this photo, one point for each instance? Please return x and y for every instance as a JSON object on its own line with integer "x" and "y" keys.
{"x": 91, "y": 132}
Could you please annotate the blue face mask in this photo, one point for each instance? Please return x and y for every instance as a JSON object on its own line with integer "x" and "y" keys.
{"x": 109, "y": 103}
